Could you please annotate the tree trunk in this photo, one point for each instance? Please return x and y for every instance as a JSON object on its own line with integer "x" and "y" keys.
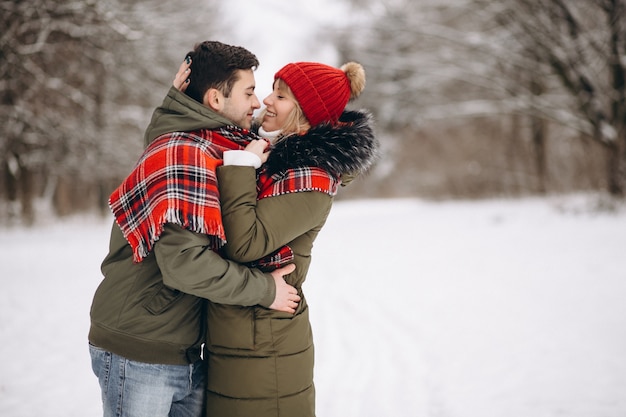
{"x": 538, "y": 127}
{"x": 538, "y": 132}
{"x": 512, "y": 154}
{"x": 615, "y": 168}
{"x": 27, "y": 195}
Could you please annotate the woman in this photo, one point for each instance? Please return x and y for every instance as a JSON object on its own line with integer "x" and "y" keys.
{"x": 260, "y": 362}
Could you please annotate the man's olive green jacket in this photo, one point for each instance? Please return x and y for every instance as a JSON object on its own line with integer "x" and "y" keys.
{"x": 154, "y": 311}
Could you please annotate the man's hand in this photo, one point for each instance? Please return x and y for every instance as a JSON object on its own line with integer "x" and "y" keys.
{"x": 287, "y": 297}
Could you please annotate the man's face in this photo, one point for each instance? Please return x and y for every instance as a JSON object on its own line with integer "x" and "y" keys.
{"x": 240, "y": 106}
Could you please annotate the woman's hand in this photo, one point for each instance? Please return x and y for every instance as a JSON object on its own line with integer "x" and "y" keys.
{"x": 181, "y": 80}
{"x": 260, "y": 148}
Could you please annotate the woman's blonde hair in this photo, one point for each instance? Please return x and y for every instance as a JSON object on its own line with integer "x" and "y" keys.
{"x": 296, "y": 122}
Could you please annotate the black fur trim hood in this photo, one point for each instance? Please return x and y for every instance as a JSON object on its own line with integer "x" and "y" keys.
{"x": 348, "y": 148}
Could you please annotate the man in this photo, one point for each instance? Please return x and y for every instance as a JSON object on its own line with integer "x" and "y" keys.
{"x": 147, "y": 316}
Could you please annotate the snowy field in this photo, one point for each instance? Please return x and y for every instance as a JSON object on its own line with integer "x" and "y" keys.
{"x": 499, "y": 308}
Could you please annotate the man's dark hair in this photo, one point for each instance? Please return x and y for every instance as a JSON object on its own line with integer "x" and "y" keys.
{"x": 215, "y": 65}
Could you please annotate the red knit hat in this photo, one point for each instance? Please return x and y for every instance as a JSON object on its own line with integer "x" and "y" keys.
{"x": 321, "y": 90}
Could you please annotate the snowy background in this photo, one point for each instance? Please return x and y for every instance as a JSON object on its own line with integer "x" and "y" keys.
{"x": 497, "y": 308}
{"x": 279, "y": 32}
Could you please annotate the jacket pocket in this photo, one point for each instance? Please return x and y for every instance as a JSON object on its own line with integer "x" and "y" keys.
{"x": 162, "y": 299}
{"x": 230, "y": 326}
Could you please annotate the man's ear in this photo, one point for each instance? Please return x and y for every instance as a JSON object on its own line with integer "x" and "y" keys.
{"x": 213, "y": 99}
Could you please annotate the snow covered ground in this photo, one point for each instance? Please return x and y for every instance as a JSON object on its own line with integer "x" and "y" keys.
{"x": 498, "y": 308}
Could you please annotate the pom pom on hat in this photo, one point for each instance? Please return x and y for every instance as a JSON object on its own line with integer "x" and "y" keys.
{"x": 321, "y": 90}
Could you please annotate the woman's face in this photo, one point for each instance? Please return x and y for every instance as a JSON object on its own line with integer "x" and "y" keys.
{"x": 279, "y": 105}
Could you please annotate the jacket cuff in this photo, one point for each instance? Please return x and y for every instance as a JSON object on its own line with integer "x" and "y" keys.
{"x": 242, "y": 158}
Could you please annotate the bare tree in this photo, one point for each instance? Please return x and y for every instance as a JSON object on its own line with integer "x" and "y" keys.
{"x": 551, "y": 61}
{"x": 79, "y": 79}
{"x": 53, "y": 57}
{"x": 439, "y": 63}
{"x": 583, "y": 45}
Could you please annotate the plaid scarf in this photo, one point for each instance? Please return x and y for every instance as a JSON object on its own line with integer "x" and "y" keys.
{"x": 295, "y": 180}
{"x": 174, "y": 181}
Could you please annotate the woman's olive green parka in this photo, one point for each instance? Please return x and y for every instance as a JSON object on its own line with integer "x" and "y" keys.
{"x": 260, "y": 361}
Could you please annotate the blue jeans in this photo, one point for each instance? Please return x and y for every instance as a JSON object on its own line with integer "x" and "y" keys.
{"x": 136, "y": 389}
